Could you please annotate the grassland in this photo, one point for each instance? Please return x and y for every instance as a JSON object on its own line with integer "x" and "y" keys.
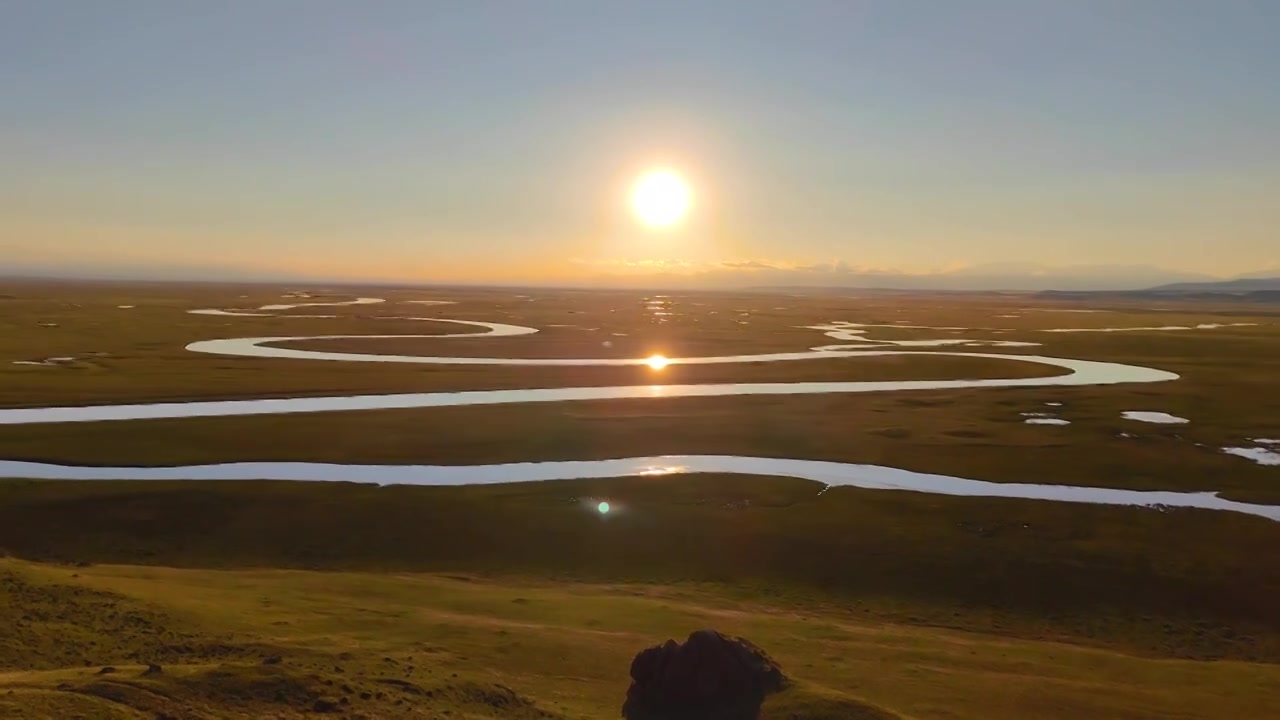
{"x": 414, "y": 645}
{"x": 1227, "y": 388}
{"x": 1037, "y": 570}
{"x": 926, "y": 606}
{"x": 137, "y": 354}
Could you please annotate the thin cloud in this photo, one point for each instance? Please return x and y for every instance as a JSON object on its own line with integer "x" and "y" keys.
{"x": 748, "y": 265}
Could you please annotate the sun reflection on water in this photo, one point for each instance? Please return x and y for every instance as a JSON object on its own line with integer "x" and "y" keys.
{"x": 667, "y": 470}
{"x": 657, "y": 362}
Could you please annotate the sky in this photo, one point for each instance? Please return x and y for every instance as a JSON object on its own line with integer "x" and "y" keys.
{"x": 495, "y": 141}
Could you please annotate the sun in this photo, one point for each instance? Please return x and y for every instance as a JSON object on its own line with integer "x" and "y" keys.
{"x": 661, "y": 198}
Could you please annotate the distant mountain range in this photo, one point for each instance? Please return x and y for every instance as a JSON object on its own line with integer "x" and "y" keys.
{"x": 1241, "y": 285}
{"x": 1010, "y": 277}
{"x": 837, "y": 275}
{"x": 1248, "y": 289}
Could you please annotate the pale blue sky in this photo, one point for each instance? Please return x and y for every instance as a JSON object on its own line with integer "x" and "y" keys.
{"x": 494, "y": 140}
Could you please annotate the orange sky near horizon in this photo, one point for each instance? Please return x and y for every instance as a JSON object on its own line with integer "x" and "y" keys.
{"x": 478, "y": 142}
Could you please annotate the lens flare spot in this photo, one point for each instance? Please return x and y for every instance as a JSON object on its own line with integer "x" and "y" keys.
{"x": 603, "y": 508}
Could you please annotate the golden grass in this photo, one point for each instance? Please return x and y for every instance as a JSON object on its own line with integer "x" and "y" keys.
{"x": 564, "y": 649}
{"x": 853, "y": 592}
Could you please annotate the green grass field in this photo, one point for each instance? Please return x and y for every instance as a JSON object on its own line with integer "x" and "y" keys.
{"x": 516, "y": 601}
{"x": 414, "y": 645}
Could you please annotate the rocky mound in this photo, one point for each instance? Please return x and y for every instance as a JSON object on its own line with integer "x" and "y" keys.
{"x": 708, "y": 677}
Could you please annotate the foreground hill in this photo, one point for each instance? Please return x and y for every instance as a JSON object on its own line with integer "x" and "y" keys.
{"x": 127, "y": 642}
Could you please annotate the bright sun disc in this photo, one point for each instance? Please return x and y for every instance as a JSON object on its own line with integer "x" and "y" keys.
{"x": 661, "y": 198}
{"x": 657, "y": 362}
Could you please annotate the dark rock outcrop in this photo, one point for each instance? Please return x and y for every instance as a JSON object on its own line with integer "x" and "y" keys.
{"x": 708, "y": 677}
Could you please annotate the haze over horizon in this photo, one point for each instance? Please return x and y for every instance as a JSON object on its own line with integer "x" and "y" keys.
{"x": 1067, "y": 145}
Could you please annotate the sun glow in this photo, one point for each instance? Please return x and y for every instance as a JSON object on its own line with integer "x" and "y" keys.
{"x": 661, "y": 198}
{"x": 657, "y": 362}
